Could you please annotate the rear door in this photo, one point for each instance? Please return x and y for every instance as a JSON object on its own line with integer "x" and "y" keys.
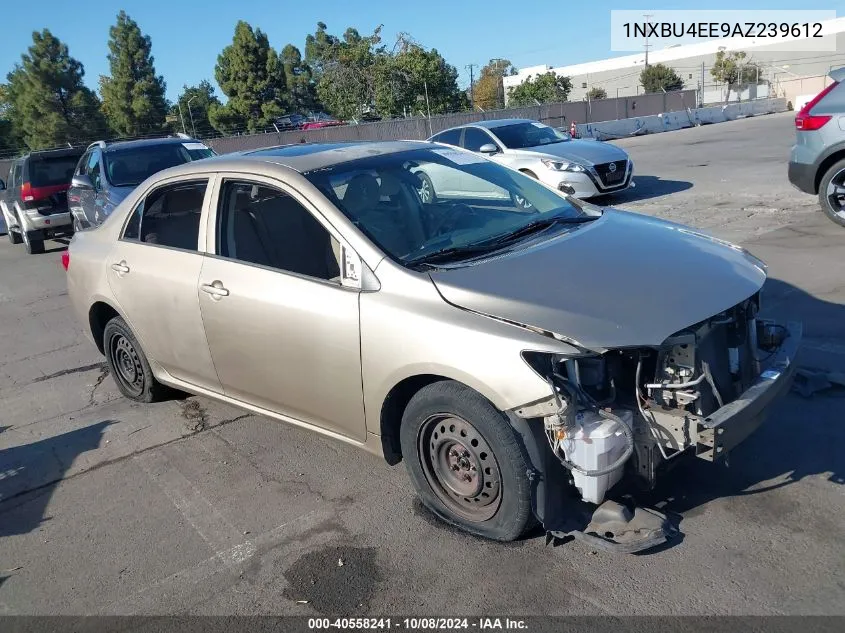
{"x": 153, "y": 272}
{"x": 282, "y": 325}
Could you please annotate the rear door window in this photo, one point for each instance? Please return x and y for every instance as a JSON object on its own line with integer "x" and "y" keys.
{"x": 49, "y": 171}
{"x": 169, "y": 216}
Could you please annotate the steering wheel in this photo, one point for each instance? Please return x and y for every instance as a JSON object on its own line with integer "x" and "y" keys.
{"x": 452, "y": 218}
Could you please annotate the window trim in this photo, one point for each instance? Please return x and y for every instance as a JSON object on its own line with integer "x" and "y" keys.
{"x": 286, "y": 188}
{"x": 210, "y": 182}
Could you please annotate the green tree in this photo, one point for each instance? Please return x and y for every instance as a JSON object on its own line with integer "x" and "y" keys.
{"x": 488, "y": 91}
{"x": 251, "y": 75}
{"x": 9, "y": 140}
{"x": 191, "y": 109}
{"x": 403, "y": 79}
{"x": 734, "y": 70}
{"x": 47, "y": 103}
{"x": 133, "y": 95}
{"x": 545, "y": 88}
{"x": 596, "y": 92}
{"x": 299, "y": 79}
{"x": 348, "y": 69}
{"x": 660, "y": 78}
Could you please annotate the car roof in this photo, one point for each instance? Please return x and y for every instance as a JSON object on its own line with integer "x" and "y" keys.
{"x": 51, "y": 153}
{"x": 301, "y": 157}
{"x": 147, "y": 142}
{"x": 493, "y": 124}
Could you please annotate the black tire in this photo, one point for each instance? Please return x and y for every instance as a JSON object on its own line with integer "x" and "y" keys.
{"x": 34, "y": 247}
{"x": 832, "y": 202}
{"x": 427, "y": 186}
{"x": 15, "y": 238}
{"x": 436, "y": 418}
{"x": 128, "y": 364}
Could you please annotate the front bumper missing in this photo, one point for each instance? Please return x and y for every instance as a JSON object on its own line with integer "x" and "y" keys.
{"x": 614, "y": 527}
{"x": 734, "y": 422}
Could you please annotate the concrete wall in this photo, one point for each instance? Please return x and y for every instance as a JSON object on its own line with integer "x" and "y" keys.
{"x": 677, "y": 120}
{"x": 554, "y": 114}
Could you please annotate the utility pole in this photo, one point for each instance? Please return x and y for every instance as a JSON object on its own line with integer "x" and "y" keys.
{"x": 427, "y": 107}
{"x": 701, "y": 96}
{"x": 471, "y": 80}
{"x": 182, "y": 117}
{"x": 193, "y": 127}
{"x": 647, "y": 17}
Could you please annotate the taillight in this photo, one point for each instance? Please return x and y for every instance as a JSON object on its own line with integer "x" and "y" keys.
{"x": 26, "y": 192}
{"x": 32, "y": 194}
{"x": 807, "y": 122}
{"x": 65, "y": 259}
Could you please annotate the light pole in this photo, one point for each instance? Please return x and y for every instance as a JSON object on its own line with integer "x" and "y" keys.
{"x": 191, "y": 114}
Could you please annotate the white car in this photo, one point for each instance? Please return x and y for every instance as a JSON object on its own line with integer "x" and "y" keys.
{"x": 580, "y": 168}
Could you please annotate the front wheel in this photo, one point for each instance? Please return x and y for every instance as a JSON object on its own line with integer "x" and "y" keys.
{"x": 466, "y": 462}
{"x": 832, "y": 193}
{"x": 14, "y": 238}
{"x": 426, "y": 189}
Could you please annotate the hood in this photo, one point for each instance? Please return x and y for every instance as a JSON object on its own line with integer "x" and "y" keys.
{"x": 623, "y": 280}
{"x": 580, "y": 151}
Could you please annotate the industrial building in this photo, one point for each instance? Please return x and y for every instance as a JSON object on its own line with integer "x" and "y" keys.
{"x": 785, "y": 71}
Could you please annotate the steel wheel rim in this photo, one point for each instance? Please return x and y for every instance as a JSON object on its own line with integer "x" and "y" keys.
{"x": 127, "y": 364}
{"x": 521, "y": 202}
{"x": 425, "y": 191}
{"x": 460, "y": 467}
{"x": 836, "y": 193}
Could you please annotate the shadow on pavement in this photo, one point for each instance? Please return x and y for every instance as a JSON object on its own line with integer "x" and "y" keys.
{"x": 35, "y": 469}
{"x": 646, "y": 187}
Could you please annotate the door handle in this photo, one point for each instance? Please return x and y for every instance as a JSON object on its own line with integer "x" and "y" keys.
{"x": 120, "y": 268}
{"x": 215, "y": 289}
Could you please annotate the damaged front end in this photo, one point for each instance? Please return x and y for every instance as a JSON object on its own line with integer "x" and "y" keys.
{"x": 621, "y": 416}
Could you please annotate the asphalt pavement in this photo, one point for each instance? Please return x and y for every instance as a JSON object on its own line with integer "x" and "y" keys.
{"x": 111, "y": 507}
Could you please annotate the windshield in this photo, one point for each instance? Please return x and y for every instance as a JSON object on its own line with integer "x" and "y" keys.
{"x": 424, "y": 202}
{"x": 528, "y": 134}
{"x": 131, "y": 166}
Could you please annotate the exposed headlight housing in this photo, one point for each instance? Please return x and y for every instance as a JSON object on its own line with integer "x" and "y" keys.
{"x": 561, "y": 165}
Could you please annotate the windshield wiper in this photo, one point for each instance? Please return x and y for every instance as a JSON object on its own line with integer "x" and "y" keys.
{"x": 538, "y": 226}
{"x": 451, "y": 253}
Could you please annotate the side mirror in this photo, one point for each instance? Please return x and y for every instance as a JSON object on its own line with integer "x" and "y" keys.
{"x": 488, "y": 148}
{"x": 2, "y": 185}
{"x": 81, "y": 181}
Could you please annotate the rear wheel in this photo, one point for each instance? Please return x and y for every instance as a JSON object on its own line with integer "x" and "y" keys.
{"x": 14, "y": 238}
{"x": 33, "y": 246}
{"x": 128, "y": 365}
{"x": 466, "y": 462}
{"x": 832, "y": 193}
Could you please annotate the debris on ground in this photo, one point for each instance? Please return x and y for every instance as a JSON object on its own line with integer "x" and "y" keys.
{"x": 810, "y": 381}
{"x": 340, "y": 562}
{"x": 194, "y": 414}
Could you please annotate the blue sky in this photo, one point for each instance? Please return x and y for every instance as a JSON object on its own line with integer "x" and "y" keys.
{"x": 187, "y": 36}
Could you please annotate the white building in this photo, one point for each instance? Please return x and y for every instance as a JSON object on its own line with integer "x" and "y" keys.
{"x": 785, "y": 71}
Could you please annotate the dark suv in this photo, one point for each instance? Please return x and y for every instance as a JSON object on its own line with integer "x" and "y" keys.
{"x": 34, "y": 198}
{"x": 108, "y": 172}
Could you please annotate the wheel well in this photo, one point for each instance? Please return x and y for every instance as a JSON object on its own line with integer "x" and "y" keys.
{"x": 394, "y": 407}
{"x": 825, "y": 165}
{"x": 98, "y": 316}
